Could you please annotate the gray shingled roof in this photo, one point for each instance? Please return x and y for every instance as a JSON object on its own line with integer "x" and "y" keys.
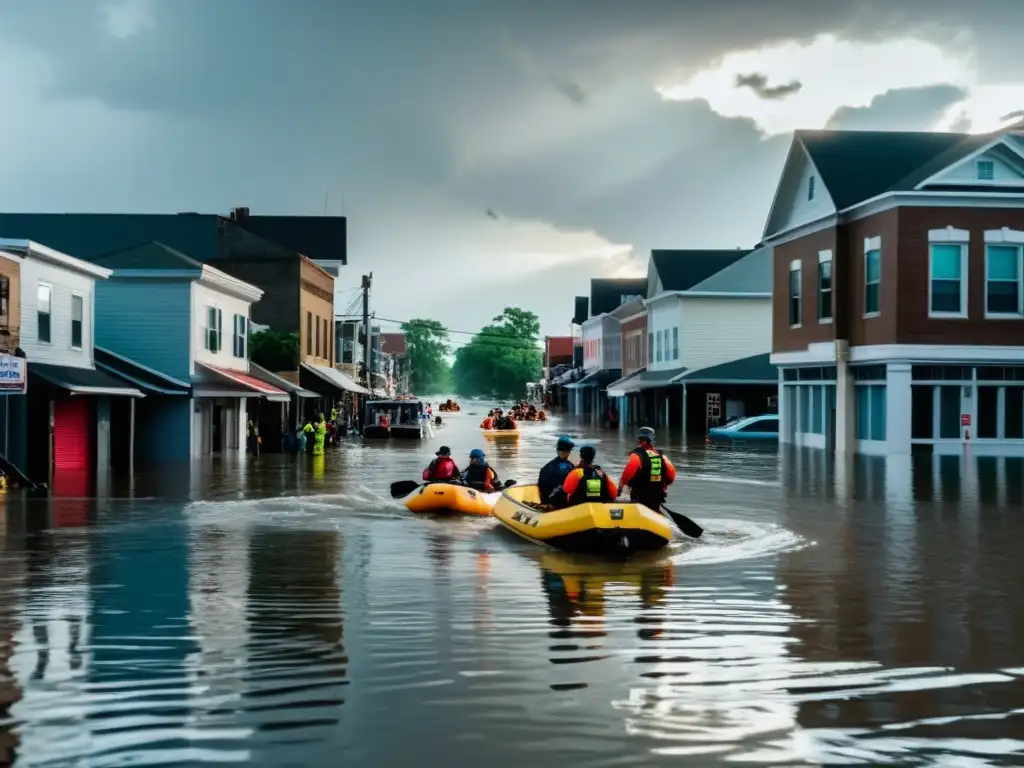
{"x": 858, "y": 165}
{"x": 681, "y": 270}
{"x": 751, "y": 274}
{"x": 147, "y": 256}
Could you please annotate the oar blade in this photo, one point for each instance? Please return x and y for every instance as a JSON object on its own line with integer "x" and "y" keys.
{"x": 403, "y": 488}
{"x": 686, "y": 525}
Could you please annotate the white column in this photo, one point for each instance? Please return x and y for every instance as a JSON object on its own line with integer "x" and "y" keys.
{"x": 243, "y": 423}
{"x": 785, "y": 409}
{"x": 897, "y": 408}
{"x": 846, "y": 425}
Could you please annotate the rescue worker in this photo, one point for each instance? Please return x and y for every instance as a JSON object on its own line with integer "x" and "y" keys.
{"x": 479, "y": 473}
{"x": 304, "y": 434}
{"x": 553, "y": 473}
{"x": 648, "y": 472}
{"x": 587, "y": 483}
{"x": 488, "y": 422}
{"x": 319, "y": 435}
{"x": 443, "y": 468}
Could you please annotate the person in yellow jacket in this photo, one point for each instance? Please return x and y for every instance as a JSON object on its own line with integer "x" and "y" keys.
{"x": 319, "y": 435}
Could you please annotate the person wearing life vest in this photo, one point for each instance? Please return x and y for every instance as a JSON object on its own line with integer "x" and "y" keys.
{"x": 554, "y": 472}
{"x": 487, "y": 423}
{"x": 648, "y": 472}
{"x": 443, "y": 468}
{"x": 319, "y": 435}
{"x": 479, "y": 473}
{"x": 588, "y": 483}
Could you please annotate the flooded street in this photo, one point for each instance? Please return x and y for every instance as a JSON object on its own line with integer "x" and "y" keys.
{"x": 290, "y": 612}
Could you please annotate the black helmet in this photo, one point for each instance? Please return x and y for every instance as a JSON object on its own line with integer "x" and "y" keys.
{"x": 645, "y": 433}
{"x": 565, "y": 443}
{"x": 588, "y": 452}
{"x": 444, "y": 450}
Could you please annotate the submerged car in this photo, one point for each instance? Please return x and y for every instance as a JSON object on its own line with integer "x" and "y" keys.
{"x": 758, "y": 429}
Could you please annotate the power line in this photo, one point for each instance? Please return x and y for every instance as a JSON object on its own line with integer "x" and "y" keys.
{"x": 499, "y": 339}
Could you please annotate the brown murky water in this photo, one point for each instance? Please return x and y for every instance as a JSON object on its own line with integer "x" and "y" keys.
{"x": 287, "y": 612}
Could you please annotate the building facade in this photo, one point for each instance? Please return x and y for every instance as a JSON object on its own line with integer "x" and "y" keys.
{"x": 899, "y": 304}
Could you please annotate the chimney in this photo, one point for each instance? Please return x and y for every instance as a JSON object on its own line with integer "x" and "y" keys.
{"x": 239, "y": 214}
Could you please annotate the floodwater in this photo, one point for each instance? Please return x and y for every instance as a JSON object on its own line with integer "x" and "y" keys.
{"x": 286, "y": 611}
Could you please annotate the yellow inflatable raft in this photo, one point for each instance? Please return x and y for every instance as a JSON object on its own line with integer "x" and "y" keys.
{"x": 445, "y": 497}
{"x": 501, "y": 434}
{"x": 615, "y": 528}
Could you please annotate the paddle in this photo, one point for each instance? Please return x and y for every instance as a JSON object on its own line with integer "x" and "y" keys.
{"x": 405, "y": 487}
{"x": 686, "y": 525}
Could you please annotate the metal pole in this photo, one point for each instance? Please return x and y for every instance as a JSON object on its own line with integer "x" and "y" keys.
{"x": 131, "y": 441}
{"x": 367, "y": 282}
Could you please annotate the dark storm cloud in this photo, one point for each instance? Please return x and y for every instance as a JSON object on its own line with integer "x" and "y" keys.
{"x": 908, "y": 109}
{"x": 758, "y": 83}
{"x": 271, "y": 103}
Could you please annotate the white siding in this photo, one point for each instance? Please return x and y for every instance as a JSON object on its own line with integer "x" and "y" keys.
{"x": 65, "y": 283}
{"x": 592, "y": 332}
{"x": 967, "y": 172}
{"x": 202, "y": 297}
{"x": 794, "y": 208}
{"x": 611, "y": 344}
{"x": 717, "y": 330}
{"x": 661, "y": 316}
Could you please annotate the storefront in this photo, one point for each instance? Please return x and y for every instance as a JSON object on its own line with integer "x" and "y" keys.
{"x": 224, "y": 401}
{"x": 337, "y": 392}
{"x": 602, "y": 364}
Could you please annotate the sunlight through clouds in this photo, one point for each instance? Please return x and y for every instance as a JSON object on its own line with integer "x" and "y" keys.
{"x": 801, "y": 85}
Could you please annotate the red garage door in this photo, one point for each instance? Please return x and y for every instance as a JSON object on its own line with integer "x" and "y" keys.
{"x": 72, "y": 419}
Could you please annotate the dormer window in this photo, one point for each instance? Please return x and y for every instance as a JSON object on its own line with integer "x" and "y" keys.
{"x": 986, "y": 170}
{"x": 810, "y": 188}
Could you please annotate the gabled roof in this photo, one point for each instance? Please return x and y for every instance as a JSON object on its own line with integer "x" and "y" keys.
{"x": 751, "y": 274}
{"x": 606, "y": 292}
{"x": 630, "y": 308}
{"x": 681, "y": 270}
{"x": 152, "y": 255}
{"x": 858, "y": 165}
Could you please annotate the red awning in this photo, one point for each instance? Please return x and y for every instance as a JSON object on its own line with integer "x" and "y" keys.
{"x": 249, "y": 382}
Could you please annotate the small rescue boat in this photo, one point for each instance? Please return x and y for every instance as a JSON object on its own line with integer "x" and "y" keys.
{"x": 447, "y": 497}
{"x": 617, "y": 528}
{"x": 501, "y": 434}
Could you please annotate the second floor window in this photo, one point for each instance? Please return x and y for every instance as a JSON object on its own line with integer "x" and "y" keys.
{"x": 675, "y": 343}
{"x": 659, "y": 340}
{"x": 318, "y": 338}
{"x": 872, "y": 281}
{"x": 44, "y": 311}
{"x": 309, "y": 333}
{"x": 77, "y": 313}
{"x": 825, "y": 286}
{"x": 241, "y": 336}
{"x": 795, "y": 302}
{"x": 213, "y": 329}
{"x": 5, "y": 298}
{"x": 650, "y": 347}
{"x": 1003, "y": 280}
{"x": 947, "y": 285}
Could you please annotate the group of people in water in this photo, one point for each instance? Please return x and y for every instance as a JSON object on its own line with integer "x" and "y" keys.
{"x": 561, "y": 483}
{"x": 501, "y": 420}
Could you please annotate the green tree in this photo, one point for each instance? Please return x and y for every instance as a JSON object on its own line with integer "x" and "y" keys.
{"x": 427, "y": 345}
{"x": 500, "y": 359}
{"x": 275, "y": 350}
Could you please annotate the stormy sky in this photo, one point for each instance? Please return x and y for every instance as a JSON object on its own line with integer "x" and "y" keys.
{"x": 486, "y": 153}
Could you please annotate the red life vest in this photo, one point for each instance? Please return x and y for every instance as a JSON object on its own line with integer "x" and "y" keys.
{"x": 442, "y": 468}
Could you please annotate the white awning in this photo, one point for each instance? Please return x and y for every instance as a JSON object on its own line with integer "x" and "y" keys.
{"x": 335, "y": 378}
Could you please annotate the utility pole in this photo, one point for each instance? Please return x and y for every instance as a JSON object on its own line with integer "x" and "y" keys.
{"x": 367, "y": 282}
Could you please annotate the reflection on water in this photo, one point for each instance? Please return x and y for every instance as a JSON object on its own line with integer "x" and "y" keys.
{"x": 286, "y": 611}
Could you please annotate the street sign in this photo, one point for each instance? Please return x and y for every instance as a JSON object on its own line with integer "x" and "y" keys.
{"x": 13, "y": 375}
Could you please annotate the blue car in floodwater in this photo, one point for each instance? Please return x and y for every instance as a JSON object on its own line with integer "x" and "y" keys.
{"x": 753, "y": 429}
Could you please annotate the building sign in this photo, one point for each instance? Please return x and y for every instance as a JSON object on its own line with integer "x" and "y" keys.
{"x": 592, "y": 337}
{"x": 13, "y": 375}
